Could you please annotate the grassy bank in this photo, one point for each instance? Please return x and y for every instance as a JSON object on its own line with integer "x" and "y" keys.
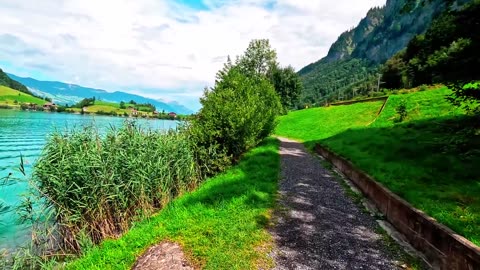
{"x": 430, "y": 159}
{"x": 95, "y": 185}
{"x": 320, "y": 123}
{"x": 13, "y": 97}
{"x": 220, "y": 226}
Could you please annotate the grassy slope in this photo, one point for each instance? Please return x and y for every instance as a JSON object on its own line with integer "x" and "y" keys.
{"x": 221, "y": 225}
{"x": 112, "y": 107}
{"x": 321, "y": 123}
{"x": 423, "y": 159}
{"x": 8, "y": 96}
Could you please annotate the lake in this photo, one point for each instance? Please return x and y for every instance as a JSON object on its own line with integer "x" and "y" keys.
{"x": 24, "y": 133}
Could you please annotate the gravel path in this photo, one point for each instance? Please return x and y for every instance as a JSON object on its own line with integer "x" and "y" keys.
{"x": 318, "y": 226}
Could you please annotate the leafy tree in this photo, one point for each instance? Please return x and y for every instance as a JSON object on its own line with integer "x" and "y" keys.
{"x": 394, "y": 72}
{"x": 237, "y": 113}
{"x": 122, "y": 105}
{"x": 258, "y": 59}
{"x": 466, "y": 96}
{"x": 85, "y": 102}
{"x": 449, "y": 51}
{"x": 287, "y": 84}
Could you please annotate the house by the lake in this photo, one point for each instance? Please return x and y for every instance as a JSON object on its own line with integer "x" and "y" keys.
{"x": 49, "y": 106}
{"x": 172, "y": 114}
{"x": 133, "y": 112}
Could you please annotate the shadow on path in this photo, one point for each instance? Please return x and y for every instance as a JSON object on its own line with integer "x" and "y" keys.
{"x": 318, "y": 226}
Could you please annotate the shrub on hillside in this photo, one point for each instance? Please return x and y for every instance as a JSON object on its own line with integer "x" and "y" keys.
{"x": 401, "y": 110}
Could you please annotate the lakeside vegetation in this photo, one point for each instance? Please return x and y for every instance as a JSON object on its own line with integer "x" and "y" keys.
{"x": 430, "y": 158}
{"x": 96, "y": 185}
{"x": 93, "y": 187}
{"x": 14, "y": 99}
{"x": 108, "y": 198}
{"x": 221, "y": 225}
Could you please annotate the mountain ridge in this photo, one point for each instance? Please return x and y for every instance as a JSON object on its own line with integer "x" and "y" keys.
{"x": 67, "y": 93}
{"x": 353, "y": 60}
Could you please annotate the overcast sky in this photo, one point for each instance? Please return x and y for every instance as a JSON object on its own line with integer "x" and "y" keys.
{"x": 159, "y": 48}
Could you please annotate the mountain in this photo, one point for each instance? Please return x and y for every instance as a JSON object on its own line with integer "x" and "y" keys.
{"x": 352, "y": 64}
{"x": 64, "y": 93}
{"x": 448, "y": 52}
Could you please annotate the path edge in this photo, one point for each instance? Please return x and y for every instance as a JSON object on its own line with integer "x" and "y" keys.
{"x": 441, "y": 246}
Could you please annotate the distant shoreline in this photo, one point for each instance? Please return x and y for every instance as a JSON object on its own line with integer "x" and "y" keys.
{"x": 17, "y": 108}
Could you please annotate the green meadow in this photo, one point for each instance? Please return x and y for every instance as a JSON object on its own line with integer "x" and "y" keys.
{"x": 11, "y": 97}
{"x": 430, "y": 158}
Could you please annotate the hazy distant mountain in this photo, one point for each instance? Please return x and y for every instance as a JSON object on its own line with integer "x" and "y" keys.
{"x": 62, "y": 93}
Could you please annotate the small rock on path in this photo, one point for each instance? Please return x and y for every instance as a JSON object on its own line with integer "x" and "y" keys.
{"x": 164, "y": 256}
{"x": 317, "y": 225}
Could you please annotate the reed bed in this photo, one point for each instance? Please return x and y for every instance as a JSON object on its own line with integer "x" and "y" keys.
{"x": 96, "y": 184}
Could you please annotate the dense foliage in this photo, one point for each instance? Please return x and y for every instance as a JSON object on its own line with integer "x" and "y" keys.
{"x": 352, "y": 65}
{"x": 339, "y": 80}
{"x": 144, "y": 107}
{"x": 96, "y": 185}
{"x": 449, "y": 52}
{"x": 220, "y": 225}
{"x": 287, "y": 84}
{"x": 93, "y": 185}
{"x": 239, "y": 111}
{"x": 85, "y": 102}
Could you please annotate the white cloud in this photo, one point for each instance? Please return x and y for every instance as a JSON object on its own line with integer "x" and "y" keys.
{"x": 159, "y": 44}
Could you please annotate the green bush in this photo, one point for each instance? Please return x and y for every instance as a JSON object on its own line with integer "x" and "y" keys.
{"x": 97, "y": 184}
{"x": 401, "y": 110}
{"x": 237, "y": 113}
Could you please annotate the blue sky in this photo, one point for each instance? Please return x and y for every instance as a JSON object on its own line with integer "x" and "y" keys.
{"x": 159, "y": 48}
{"x": 197, "y": 5}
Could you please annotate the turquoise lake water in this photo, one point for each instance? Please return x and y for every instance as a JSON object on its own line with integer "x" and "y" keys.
{"x": 23, "y": 133}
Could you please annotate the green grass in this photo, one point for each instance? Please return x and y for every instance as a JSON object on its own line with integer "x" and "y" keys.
{"x": 420, "y": 106}
{"x": 109, "y": 107}
{"x": 430, "y": 159}
{"x": 320, "y": 123}
{"x": 105, "y": 108}
{"x": 221, "y": 225}
{"x": 9, "y": 96}
{"x": 108, "y": 104}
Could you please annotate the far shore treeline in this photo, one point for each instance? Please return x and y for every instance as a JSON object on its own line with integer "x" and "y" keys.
{"x": 93, "y": 186}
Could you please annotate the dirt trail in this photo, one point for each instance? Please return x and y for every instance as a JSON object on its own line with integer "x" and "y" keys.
{"x": 318, "y": 225}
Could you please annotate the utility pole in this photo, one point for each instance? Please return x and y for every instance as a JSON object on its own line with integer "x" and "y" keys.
{"x": 379, "y": 82}
{"x": 378, "y": 85}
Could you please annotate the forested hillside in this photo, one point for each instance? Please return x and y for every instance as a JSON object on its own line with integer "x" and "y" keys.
{"x": 8, "y": 82}
{"x": 353, "y": 61}
{"x": 449, "y": 51}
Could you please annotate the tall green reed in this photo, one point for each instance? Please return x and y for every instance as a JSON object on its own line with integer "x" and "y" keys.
{"x": 95, "y": 185}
